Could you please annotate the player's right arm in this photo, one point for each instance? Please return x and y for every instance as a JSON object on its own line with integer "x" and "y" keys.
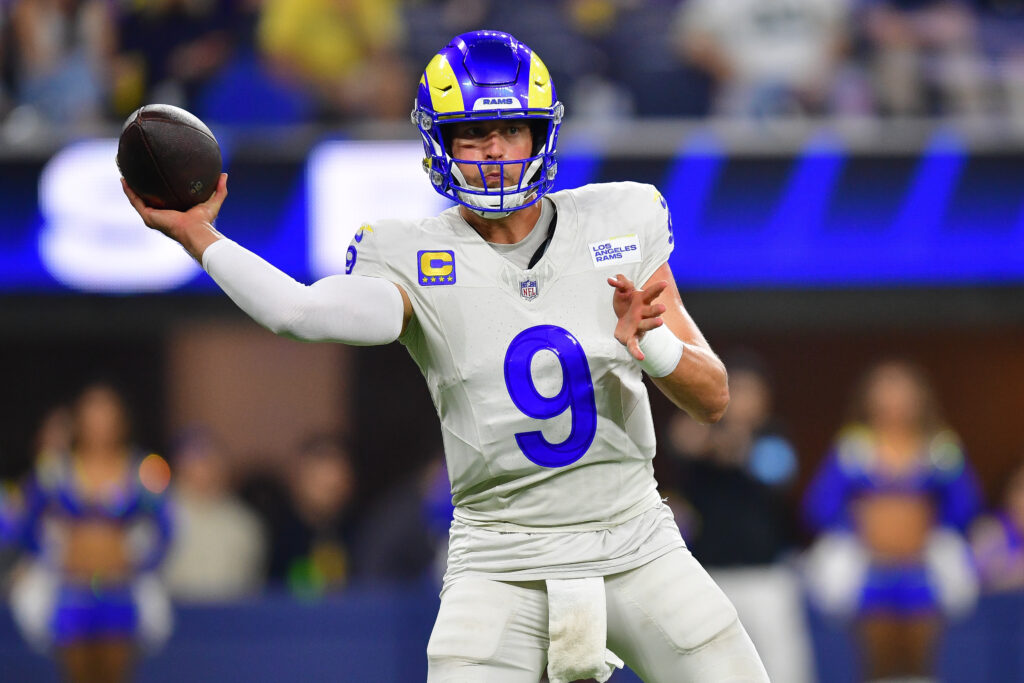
{"x": 351, "y": 309}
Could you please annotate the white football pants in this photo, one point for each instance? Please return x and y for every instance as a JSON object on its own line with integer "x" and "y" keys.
{"x": 667, "y": 620}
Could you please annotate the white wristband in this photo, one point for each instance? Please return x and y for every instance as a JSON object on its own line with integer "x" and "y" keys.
{"x": 662, "y": 351}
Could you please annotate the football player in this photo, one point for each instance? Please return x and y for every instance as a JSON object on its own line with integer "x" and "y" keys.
{"x": 562, "y": 553}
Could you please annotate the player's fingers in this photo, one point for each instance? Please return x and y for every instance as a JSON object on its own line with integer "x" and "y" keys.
{"x": 654, "y": 291}
{"x": 153, "y": 218}
{"x": 652, "y": 311}
{"x": 136, "y": 200}
{"x": 213, "y": 204}
{"x": 634, "y": 348}
{"x": 621, "y": 283}
{"x": 648, "y": 324}
{"x": 619, "y": 287}
{"x": 621, "y": 335}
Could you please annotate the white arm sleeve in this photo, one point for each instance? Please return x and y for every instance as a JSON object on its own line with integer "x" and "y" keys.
{"x": 352, "y": 309}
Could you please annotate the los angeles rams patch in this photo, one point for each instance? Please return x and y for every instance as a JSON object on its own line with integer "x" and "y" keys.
{"x": 436, "y": 268}
{"x": 616, "y": 250}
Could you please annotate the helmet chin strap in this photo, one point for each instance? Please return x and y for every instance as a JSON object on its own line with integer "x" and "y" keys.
{"x": 513, "y": 200}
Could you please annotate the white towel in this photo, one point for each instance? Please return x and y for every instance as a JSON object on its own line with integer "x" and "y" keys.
{"x": 578, "y": 631}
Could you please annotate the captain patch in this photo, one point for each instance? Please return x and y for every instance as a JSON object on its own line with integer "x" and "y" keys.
{"x": 436, "y": 268}
{"x": 610, "y": 252}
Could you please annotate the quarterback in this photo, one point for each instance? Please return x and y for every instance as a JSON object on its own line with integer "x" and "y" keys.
{"x": 532, "y": 315}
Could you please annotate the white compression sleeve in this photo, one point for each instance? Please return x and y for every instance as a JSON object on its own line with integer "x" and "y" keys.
{"x": 352, "y": 309}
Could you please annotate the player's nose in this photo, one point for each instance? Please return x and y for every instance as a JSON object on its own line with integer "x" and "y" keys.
{"x": 494, "y": 146}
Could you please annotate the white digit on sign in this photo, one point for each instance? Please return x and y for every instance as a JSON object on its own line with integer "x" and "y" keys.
{"x": 92, "y": 239}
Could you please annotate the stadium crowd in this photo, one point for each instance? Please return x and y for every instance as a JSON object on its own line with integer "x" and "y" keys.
{"x": 83, "y": 62}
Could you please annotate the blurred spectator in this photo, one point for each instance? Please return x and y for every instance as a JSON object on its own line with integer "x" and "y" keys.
{"x": 98, "y": 523}
{"x": 61, "y": 52}
{"x": 51, "y": 445}
{"x": 169, "y": 49}
{"x": 998, "y": 541}
{"x": 5, "y": 73}
{"x": 346, "y": 51}
{"x": 926, "y": 56}
{"x": 218, "y": 551}
{"x": 53, "y": 440}
{"x": 729, "y": 485}
{"x": 405, "y": 535}
{"x": 735, "y": 475}
{"x": 766, "y": 57}
{"x": 891, "y": 500}
{"x": 643, "y": 57}
{"x": 247, "y": 90}
{"x": 310, "y": 521}
{"x": 1002, "y": 39}
{"x": 10, "y": 507}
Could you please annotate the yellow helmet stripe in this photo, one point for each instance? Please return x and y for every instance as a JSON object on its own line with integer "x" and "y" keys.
{"x": 445, "y": 93}
{"x": 540, "y": 83}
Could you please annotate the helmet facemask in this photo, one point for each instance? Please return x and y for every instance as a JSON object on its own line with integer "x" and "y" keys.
{"x": 499, "y": 202}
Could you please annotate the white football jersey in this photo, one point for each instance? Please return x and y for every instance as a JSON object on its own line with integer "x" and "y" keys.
{"x": 545, "y": 419}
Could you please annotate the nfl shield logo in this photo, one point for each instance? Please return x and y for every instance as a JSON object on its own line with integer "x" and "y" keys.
{"x": 528, "y": 289}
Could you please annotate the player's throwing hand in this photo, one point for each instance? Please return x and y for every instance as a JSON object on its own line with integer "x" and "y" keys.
{"x": 636, "y": 311}
{"x": 193, "y": 229}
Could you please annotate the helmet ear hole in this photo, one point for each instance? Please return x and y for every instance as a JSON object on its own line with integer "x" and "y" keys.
{"x": 539, "y": 131}
{"x": 447, "y": 135}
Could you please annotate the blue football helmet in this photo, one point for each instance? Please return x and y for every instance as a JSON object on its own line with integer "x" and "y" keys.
{"x": 483, "y": 76}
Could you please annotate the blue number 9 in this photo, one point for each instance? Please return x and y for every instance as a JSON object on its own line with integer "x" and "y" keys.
{"x": 350, "y": 259}
{"x": 577, "y": 394}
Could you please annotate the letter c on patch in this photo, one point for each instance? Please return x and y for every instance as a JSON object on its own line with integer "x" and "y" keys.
{"x": 436, "y": 263}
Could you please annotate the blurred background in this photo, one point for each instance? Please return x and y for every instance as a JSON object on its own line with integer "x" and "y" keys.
{"x": 846, "y": 180}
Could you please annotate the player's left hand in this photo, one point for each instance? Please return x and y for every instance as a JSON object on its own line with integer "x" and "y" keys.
{"x": 636, "y": 311}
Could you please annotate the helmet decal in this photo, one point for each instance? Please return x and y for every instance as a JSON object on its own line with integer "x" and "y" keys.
{"x": 541, "y": 90}
{"x": 485, "y": 76}
{"x": 445, "y": 93}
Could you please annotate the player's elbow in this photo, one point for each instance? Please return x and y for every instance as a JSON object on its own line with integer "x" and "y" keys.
{"x": 716, "y": 405}
{"x": 715, "y": 399}
{"x": 288, "y": 324}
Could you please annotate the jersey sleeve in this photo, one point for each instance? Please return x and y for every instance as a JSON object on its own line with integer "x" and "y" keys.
{"x": 387, "y": 250}
{"x": 382, "y": 250}
{"x": 654, "y": 226}
{"x": 364, "y": 255}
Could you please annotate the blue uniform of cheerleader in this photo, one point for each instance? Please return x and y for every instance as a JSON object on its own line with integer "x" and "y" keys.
{"x": 851, "y": 471}
{"x": 84, "y": 611}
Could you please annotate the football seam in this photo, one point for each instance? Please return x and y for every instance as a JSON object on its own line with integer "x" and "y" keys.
{"x": 156, "y": 164}
{"x": 182, "y": 123}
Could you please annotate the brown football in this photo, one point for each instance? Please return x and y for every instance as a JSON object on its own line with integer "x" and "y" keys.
{"x": 168, "y": 157}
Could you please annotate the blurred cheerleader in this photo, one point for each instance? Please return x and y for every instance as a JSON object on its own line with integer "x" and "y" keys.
{"x": 998, "y": 540}
{"x": 892, "y": 500}
{"x": 96, "y": 521}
